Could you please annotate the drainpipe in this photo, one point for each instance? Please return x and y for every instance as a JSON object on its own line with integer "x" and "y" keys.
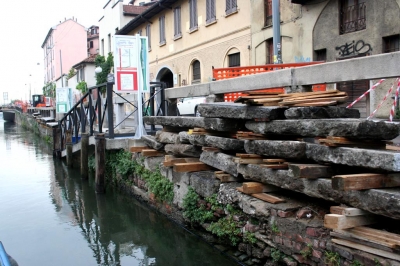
{"x": 276, "y": 26}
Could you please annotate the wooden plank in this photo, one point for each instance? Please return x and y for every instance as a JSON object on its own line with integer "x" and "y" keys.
{"x": 274, "y": 160}
{"x": 255, "y": 187}
{"x": 336, "y": 221}
{"x": 347, "y": 211}
{"x": 265, "y": 100}
{"x": 225, "y": 178}
{"x": 361, "y": 241}
{"x": 371, "y": 250}
{"x": 392, "y": 147}
{"x": 275, "y": 166}
{"x": 248, "y": 160}
{"x": 310, "y": 93}
{"x": 364, "y": 181}
{"x": 191, "y": 167}
{"x": 376, "y": 238}
{"x": 219, "y": 172}
{"x": 179, "y": 160}
{"x": 138, "y": 149}
{"x": 310, "y": 171}
{"x": 306, "y": 104}
{"x": 339, "y": 99}
{"x": 248, "y": 155}
{"x": 377, "y": 233}
{"x": 199, "y": 129}
{"x": 152, "y": 153}
{"x": 268, "y": 198}
{"x": 240, "y": 189}
{"x": 315, "y": 96}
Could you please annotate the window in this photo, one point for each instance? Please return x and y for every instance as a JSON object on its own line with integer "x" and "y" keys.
{"x": 102, "y": 46}
{"x": 210, "y": 11}
{"x": 234, "y": 60}
{"x": 177, "y": 22}
{"x": 109, "y": 43}
{"x": 352, "y": 15}
{"x": 231, "y": 6}
{"x": 91, "y": 44}
{"x": 267, "y": 13}
{"x": 320, "y": 55}
{"x": 270, "y": 51}
{"x": 193, "y": 14}
{"x": 196, "y": 72}
{"x": 148, "y": 34}
{"x": 162, "y": 30}
{"x": 139, "y": 32}
{"x": 391, "y": 43}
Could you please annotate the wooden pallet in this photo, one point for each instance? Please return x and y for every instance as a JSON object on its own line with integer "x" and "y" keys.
{"x": 365, "y": 181}
{"x": 225, "y": 177}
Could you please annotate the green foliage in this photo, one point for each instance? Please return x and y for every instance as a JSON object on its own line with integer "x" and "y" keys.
{"x": 106, "y": 65}
{"x": 356, "y": 263}
{"x": 226, "y": 228}
{"x": 377, "y": 262}
{"x": 307, "y": 251}
{"x": 48, "y": 139}
{"x": 249, "y": 237}
{"x": 232, "y": 210}
{"x": 92, "y": 163}
{"x": 49, "y": 90}
{"x": 71, "y": 73}
{"x": 274, "y": 228}
{"x": 276, "y": 254}
{"x": 125, "y": 165}
{"x": 332, "y": 258}
{"x": 195, "y": 212}
{"x": 82, "y": 86}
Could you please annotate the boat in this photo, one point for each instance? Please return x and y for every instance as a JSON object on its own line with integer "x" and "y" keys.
{"x": 8, "y": 115}
{"x": 4, "y": 258}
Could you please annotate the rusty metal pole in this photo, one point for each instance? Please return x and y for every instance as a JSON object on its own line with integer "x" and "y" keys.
{"x": 69, "y": 148}
{"x": 84, "y": 155}
{"x": 100, "y": 162}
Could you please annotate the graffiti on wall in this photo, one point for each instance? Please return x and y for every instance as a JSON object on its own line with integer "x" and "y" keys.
{"x": 300, "y": 59}
{"x": 354, "y": 48}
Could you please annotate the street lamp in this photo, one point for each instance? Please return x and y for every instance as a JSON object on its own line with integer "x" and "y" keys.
{"x": 98, "y": 70}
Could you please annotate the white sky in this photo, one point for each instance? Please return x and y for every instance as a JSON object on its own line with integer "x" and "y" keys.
{"x": 23, "y": 28}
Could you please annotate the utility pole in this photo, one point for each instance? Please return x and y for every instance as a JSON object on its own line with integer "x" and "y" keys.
{"x": 276, "y": 26}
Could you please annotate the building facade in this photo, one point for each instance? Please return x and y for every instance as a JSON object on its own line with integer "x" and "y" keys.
{"x": 93, "y": 40}
{"x": 64, "y": 45}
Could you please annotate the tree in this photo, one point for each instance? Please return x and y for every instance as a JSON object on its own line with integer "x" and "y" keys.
{"x": 106, "y": 65}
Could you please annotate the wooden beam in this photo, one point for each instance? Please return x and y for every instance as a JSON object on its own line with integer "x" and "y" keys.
{"x": 247, "y": 155}
{"x": 268, "y": 198}
{"x": 191, "y": 167}
{"x": 224, "y": 178}
{"x": 275, "y": 166}
{"x": 371, "y": 250}
{"x": 138, "y": 149}
{"x": 248, "y": 160}
{"x": 364, "y": 181}
{"x": 179, "y": 160}
{"x": 347, "y": 211}
{"x": 310, "y": 171}
{"x": 360, "y": 240}
{"x": 274, "y": 161}
{"x": 255, "y": 187}
{"x": 336, "y": 221}
{"x": 152, "y": 153}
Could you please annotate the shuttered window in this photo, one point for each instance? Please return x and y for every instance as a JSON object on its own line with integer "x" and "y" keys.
{"x": 162, "y": 30}
{"x": 210, "y": 11}
{"x": 148, "y": 34}
{"x": 234, "y": 60}
{"x": 196, "y": 72}
{"x": 193, "y": 14}
{"x": 231, "y": 6}
{"x": 267, "y": 13}
{"x": 177, "y": 22}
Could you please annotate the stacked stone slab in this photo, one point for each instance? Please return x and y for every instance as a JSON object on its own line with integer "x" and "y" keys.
{"x": 305, "y": 122}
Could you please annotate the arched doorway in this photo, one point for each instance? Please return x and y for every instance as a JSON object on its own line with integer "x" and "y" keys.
{"x": 165, "y": 75}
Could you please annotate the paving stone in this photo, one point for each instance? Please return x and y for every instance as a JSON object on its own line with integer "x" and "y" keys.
{"x": 321, "y": 112}
{"x": 221, "y": 161}
{"x": 276, "y": 148}
{"x": 152, "y": 142}
{"x": 240, "y": 111}
{"x": 351, "y": 128}
{"x": 224, "y": 143}
{"x": 183, "y": 150}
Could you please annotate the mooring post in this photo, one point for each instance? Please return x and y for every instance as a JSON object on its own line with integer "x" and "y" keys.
{"x": 100, "y": 162}
{"x": 69, "y": 146}
{"x": 84, "y": 155}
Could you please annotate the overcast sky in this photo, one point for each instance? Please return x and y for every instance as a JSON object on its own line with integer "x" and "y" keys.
{"x": 23, "y": 28}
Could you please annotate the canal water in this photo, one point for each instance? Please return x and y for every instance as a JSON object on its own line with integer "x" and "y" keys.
{"x": 49, "y": 216}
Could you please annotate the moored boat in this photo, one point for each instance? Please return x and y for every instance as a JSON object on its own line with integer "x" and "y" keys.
{"x": 8, "y": 115}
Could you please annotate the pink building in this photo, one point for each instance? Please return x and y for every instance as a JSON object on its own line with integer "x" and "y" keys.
{"x": 64, "y": 45}
{"x": 93, "y": 40}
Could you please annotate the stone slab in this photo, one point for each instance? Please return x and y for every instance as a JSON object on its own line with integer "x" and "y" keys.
{"x": 277, "y": 148}
{"x": 167, "y": 137}
{"x": 152, "y": 142}
{"x": 379, "y": 201}
{"x": 240, "y": 111}
{"x": 184, "y": 137}
{"x": 183, "y": 150}
{"x": 221, "y": 161}
{"x": 217, "y": 124}
{"x": 321, "y": 112}
{"x": 224, "y": 143}
{"x": 350, "y": 128}
{"x": 374, "y": 159}
{"x": 204, "y": 183}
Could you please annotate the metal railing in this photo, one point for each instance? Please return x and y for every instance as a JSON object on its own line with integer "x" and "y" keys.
{"x": 353, "y": 18}
{"x": 89, "y": 114}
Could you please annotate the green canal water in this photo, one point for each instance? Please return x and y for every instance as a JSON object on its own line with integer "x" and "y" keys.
{"x": 49, "y": 216}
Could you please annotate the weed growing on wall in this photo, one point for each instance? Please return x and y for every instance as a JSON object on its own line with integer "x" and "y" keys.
{"x": 193, "y": 211}
{"x": 226, "y": 228}
{"x": 332, "y": 258}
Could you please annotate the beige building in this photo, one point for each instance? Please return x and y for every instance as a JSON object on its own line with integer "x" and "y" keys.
{"x": 187, "y": 39}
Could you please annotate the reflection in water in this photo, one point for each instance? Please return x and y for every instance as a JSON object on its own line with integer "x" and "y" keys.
{"x": 51, "y": 217}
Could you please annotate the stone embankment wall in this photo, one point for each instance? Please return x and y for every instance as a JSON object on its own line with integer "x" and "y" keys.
{"x": 37, "y": 125}
{"x": 191, "y": 151}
